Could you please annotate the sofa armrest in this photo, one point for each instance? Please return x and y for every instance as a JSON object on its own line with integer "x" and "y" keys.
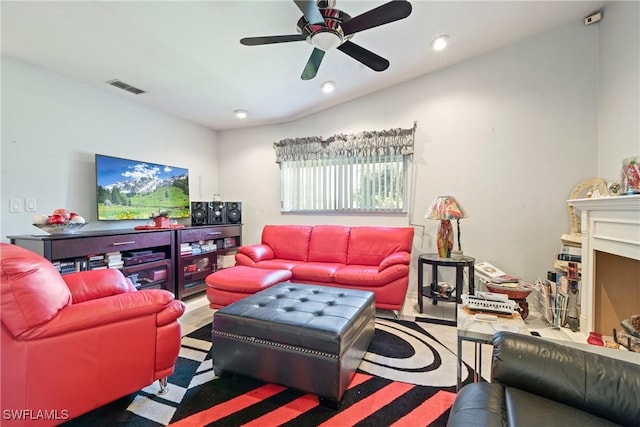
{"x": 597, "y": 384}
{"x": 257, "y": 253}
{"x": 94, "y": 284}
{"x": 478, "y": 404}
{"x": 171, "y": 313}
{"x": 103, "y": 311}
{"x": 394, "y": 259}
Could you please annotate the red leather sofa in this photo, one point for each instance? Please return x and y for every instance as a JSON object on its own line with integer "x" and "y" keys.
{"x": 375, "y": 259}
{"x": 75, "y": 342}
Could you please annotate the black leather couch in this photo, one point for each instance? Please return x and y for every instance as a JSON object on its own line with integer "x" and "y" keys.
{"x": 535, "y": 382}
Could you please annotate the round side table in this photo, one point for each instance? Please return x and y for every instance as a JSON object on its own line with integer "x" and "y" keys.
{"x": 431, "y": 291}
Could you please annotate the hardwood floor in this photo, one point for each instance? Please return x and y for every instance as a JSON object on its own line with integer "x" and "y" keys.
{"x": 197, "y": 314}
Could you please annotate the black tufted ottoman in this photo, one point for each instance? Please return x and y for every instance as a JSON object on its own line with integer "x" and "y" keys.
{"x": 308, "y": 337}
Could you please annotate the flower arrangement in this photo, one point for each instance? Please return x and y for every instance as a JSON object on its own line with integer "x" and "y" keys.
{"x": 631, "y": 175}
{"x": 160, "y": 213}
{"x": 161, "y": 218}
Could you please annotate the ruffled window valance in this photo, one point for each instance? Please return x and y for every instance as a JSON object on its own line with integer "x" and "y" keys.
{"x": 367, "y": 143}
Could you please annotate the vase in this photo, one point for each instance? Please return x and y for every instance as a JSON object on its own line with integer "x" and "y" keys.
{"x": 162, "y": 222}
{"x": 444, "y": 241}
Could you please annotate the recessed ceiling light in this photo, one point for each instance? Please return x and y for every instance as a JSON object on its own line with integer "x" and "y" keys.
{"x": 328, "y": 87}
{"x": 241, "y": 114}
{"x": 440, "y": 42}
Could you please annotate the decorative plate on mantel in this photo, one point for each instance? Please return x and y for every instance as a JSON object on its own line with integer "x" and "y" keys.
{"x": 586, "y": 188}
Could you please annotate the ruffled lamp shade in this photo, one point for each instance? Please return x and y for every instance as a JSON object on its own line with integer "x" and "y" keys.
{"x": 446, "y": 208}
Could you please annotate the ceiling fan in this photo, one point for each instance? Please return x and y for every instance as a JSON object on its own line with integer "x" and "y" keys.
{"x": 325, "y": 28}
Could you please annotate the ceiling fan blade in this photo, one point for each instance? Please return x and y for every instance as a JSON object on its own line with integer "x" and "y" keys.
{"x": 388, "y": 12}
{"x": 310, "y": 10}
{"x": 255, "y": 41}
{"x": 313, "y": 64}
{"x": 368, "y": 58}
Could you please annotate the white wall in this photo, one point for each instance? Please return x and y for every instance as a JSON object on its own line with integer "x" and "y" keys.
{"x": 619, "y": 88}
{"x": 509, "y": 134}
{"x": 53, "y": 126}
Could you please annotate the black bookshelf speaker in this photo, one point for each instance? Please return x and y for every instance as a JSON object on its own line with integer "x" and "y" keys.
{"x": 217, "y": 213}
{"x": 233, "y": 212}
{"x": 200, "y": 213}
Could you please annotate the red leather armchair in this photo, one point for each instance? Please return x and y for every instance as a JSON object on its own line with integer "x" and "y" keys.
{"x": 75, "y": 342}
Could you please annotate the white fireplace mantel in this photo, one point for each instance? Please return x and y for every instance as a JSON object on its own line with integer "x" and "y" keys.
{"x": 608, "y": 224}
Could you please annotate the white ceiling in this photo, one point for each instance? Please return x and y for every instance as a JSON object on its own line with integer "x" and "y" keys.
{"x": 187, "y": 54}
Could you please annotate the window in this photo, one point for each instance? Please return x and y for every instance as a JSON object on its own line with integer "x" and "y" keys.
{"x": 364, "y": 173}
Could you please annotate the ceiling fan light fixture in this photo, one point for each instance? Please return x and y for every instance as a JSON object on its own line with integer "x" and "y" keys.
{"x": 440, "y": 42}
{"x": 241, "y": 114}
{"x": 328, "y": 87}
{"x": 326, "y": 40}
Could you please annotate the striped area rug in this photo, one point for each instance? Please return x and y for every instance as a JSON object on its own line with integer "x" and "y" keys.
{"x": 407, "y": 378}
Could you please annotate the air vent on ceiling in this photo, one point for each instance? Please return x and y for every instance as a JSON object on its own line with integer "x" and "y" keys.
{"x": 124, "y": 86}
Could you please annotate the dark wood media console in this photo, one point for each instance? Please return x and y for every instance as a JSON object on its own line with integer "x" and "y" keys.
{"x": 192, "y": 266}
{"x": 129, "y": 250}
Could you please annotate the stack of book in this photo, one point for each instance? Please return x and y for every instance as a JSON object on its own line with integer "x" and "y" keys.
{"x": 65, "y": 267}
{"x": 97, "y": 262}
{"x": 570, "y": 253}
{"x": 208, "y": 246}
{"x": 114, "y": 259}
{"x": 185, "y": 249}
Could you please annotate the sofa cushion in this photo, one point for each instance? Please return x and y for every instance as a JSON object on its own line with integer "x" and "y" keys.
{"x": 288, "y": 241}
{"x": 315, "y": 271}
{"x": 528, "y": 409}
{"x": 33, "y": 291}
{"x": 492, "y": 404}
{"x": 329, "y": 243}
{"x": 367, "y": 275}
{"x": 246, "y": 279}
{"x": 277, "y": 264}
{"x": 370, "y": 245}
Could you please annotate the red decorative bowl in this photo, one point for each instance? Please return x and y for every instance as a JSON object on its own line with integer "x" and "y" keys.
{"x": 520, "y": 292}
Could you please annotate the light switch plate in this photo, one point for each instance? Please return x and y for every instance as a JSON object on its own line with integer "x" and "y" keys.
{"x": 15, "y": 205}
{"x": 30, "y": 204}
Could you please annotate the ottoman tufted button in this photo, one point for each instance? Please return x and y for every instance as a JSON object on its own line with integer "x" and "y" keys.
{"x": 303, "y": 299}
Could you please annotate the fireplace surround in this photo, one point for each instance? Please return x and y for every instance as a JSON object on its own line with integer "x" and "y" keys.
{"x": 610, "y": 285}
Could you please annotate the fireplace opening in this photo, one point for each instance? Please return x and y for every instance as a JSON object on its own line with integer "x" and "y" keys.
{"x": 616, "y": 291}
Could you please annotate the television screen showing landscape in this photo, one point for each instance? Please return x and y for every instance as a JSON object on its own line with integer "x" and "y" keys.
{"x": 131, "y": 189}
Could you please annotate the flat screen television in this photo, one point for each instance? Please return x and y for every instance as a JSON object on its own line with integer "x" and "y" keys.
{"x": 132, "y": 189}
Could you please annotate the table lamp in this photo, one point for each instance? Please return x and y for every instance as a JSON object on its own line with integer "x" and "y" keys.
{"x": 445, "y": 208}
